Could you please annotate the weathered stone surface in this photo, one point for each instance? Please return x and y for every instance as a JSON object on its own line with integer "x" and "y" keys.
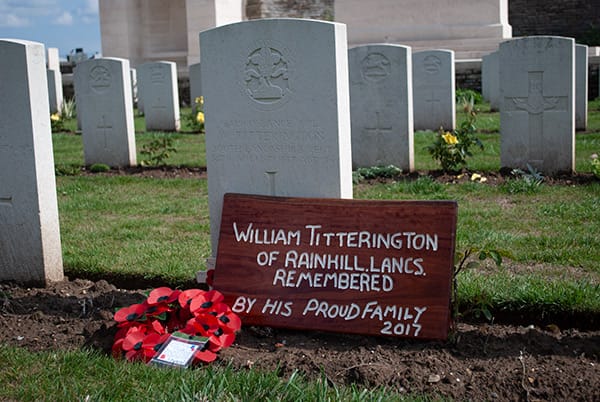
{"x": 434, "y": 90}
{"x": 537, "y": 113}
{"x": 30, "y": 249}
{"x": 277, "y": 111}
{"x": 381, "y": 106}
{"x": 104, "y": 97}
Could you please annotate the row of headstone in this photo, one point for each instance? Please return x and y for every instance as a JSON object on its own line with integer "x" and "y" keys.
{"x": 105, "y": 90}
{"x": 490, "y": 80}
{"x": 393, "y": 93}
{"x": 278, "y": 122}
{"x": 54, "y": 78}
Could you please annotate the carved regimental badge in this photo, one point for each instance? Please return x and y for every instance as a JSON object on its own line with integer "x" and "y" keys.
{"x": 375, "y": 67}
{"x": 99, "y": 79}
{"x": 266, "y": 76}
{"x": 432, "y": 64}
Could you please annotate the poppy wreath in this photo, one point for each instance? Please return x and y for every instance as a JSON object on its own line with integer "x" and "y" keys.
{"x": 144, "y": 327}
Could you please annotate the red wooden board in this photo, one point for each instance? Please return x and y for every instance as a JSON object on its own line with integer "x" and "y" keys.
{"x": 353, "y": 266}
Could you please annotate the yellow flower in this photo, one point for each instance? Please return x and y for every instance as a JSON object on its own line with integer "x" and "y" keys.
{"x": 199, "y": 100}
{"x": 478, "y": 177}
{"x": 200, "y": 117}
{"x": 450, "y": 138}
{"x": 55, "y": 117}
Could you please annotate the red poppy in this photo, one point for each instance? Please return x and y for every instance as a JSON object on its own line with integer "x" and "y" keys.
{"x": 202, "y": 325}
{"x": 205, "y": 355}
{"x": 228, "y": 318}
{"x": 130, "y": 314}
{"x": 132, "y": 344}
{"x": 154, "y": 310}
{"x": 163, "y": 295}
{"x": 205, "y": 301}
{"x": 152, "y": 343}
{"x": 185, "y": 297}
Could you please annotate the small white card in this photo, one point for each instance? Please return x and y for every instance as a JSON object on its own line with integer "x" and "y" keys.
{"x": 178, "y": 350}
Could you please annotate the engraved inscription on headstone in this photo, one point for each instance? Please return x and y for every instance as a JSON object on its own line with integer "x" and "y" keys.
{"x": 157, "y": 74}
{"x": 266, "y": 75}
{"x": 375, "y": 67}
{"x": 99, "y": 79}
{"x": 535, "y": 105}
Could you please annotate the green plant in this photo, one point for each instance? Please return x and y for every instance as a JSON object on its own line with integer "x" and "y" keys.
{"x": 56, "y": 123}
{"x": 595, "y": 165}
{"x": 195, "y": 119}
{"x": 157, "y": 151}
{"x": 68, "y": 109}
{"x": 99, "y": 168}
{"x": 451, "y": 149}
{"x": 462, "y": 261}
{"x": 66, "y": 170}
{"x": 524, "y": 182}
{"x": 374, "y": 172}
{"x": 463, "y": 95}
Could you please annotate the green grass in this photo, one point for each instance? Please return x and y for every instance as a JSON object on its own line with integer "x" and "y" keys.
{"x": 88, "y": 376}
{"x": 129, "y": 226}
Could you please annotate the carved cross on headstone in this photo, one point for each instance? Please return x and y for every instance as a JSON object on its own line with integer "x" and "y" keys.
{"x": 433, "y": 100}
{"x": 104, "y": 126}
{"x": 6, "y": 200}
{"x": 271, "y": 177}
{"x": 535, "y": 104}
{"x": 379, "y": 131}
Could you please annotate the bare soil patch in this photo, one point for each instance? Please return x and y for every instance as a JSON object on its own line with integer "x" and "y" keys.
{"x": 479, "y": 362}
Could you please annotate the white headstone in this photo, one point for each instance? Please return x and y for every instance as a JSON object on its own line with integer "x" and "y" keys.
{"x": 381, "y": 106}
{"x": 195, "y": 85}
{"x": 55, "y": 90}
{"x": 581, "y": 86}
{"x": 104, "y": 97}
{"x": 78, "y": 107}
{"x": 433, "y": 90}
{"x": 537, "y": 114}
{"x": 134, "y": 90}
{"x": 490, "y": 80}
{"x": 30, "y": 249}
{"x": 158, "y": 84}
{"x": 277, "y": 111}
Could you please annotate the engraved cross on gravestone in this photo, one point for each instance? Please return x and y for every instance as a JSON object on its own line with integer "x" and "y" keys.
{"x": 379, "y": 131}
{"x": 271, "y": 177}
{"x": 432, "y": 100}
{"x": 104, "y": 126}
{"x": 535, "y": 104}
{"x": 6, "y": 200}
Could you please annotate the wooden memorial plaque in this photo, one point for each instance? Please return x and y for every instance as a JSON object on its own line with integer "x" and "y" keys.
{"x": 353, "y": 266}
